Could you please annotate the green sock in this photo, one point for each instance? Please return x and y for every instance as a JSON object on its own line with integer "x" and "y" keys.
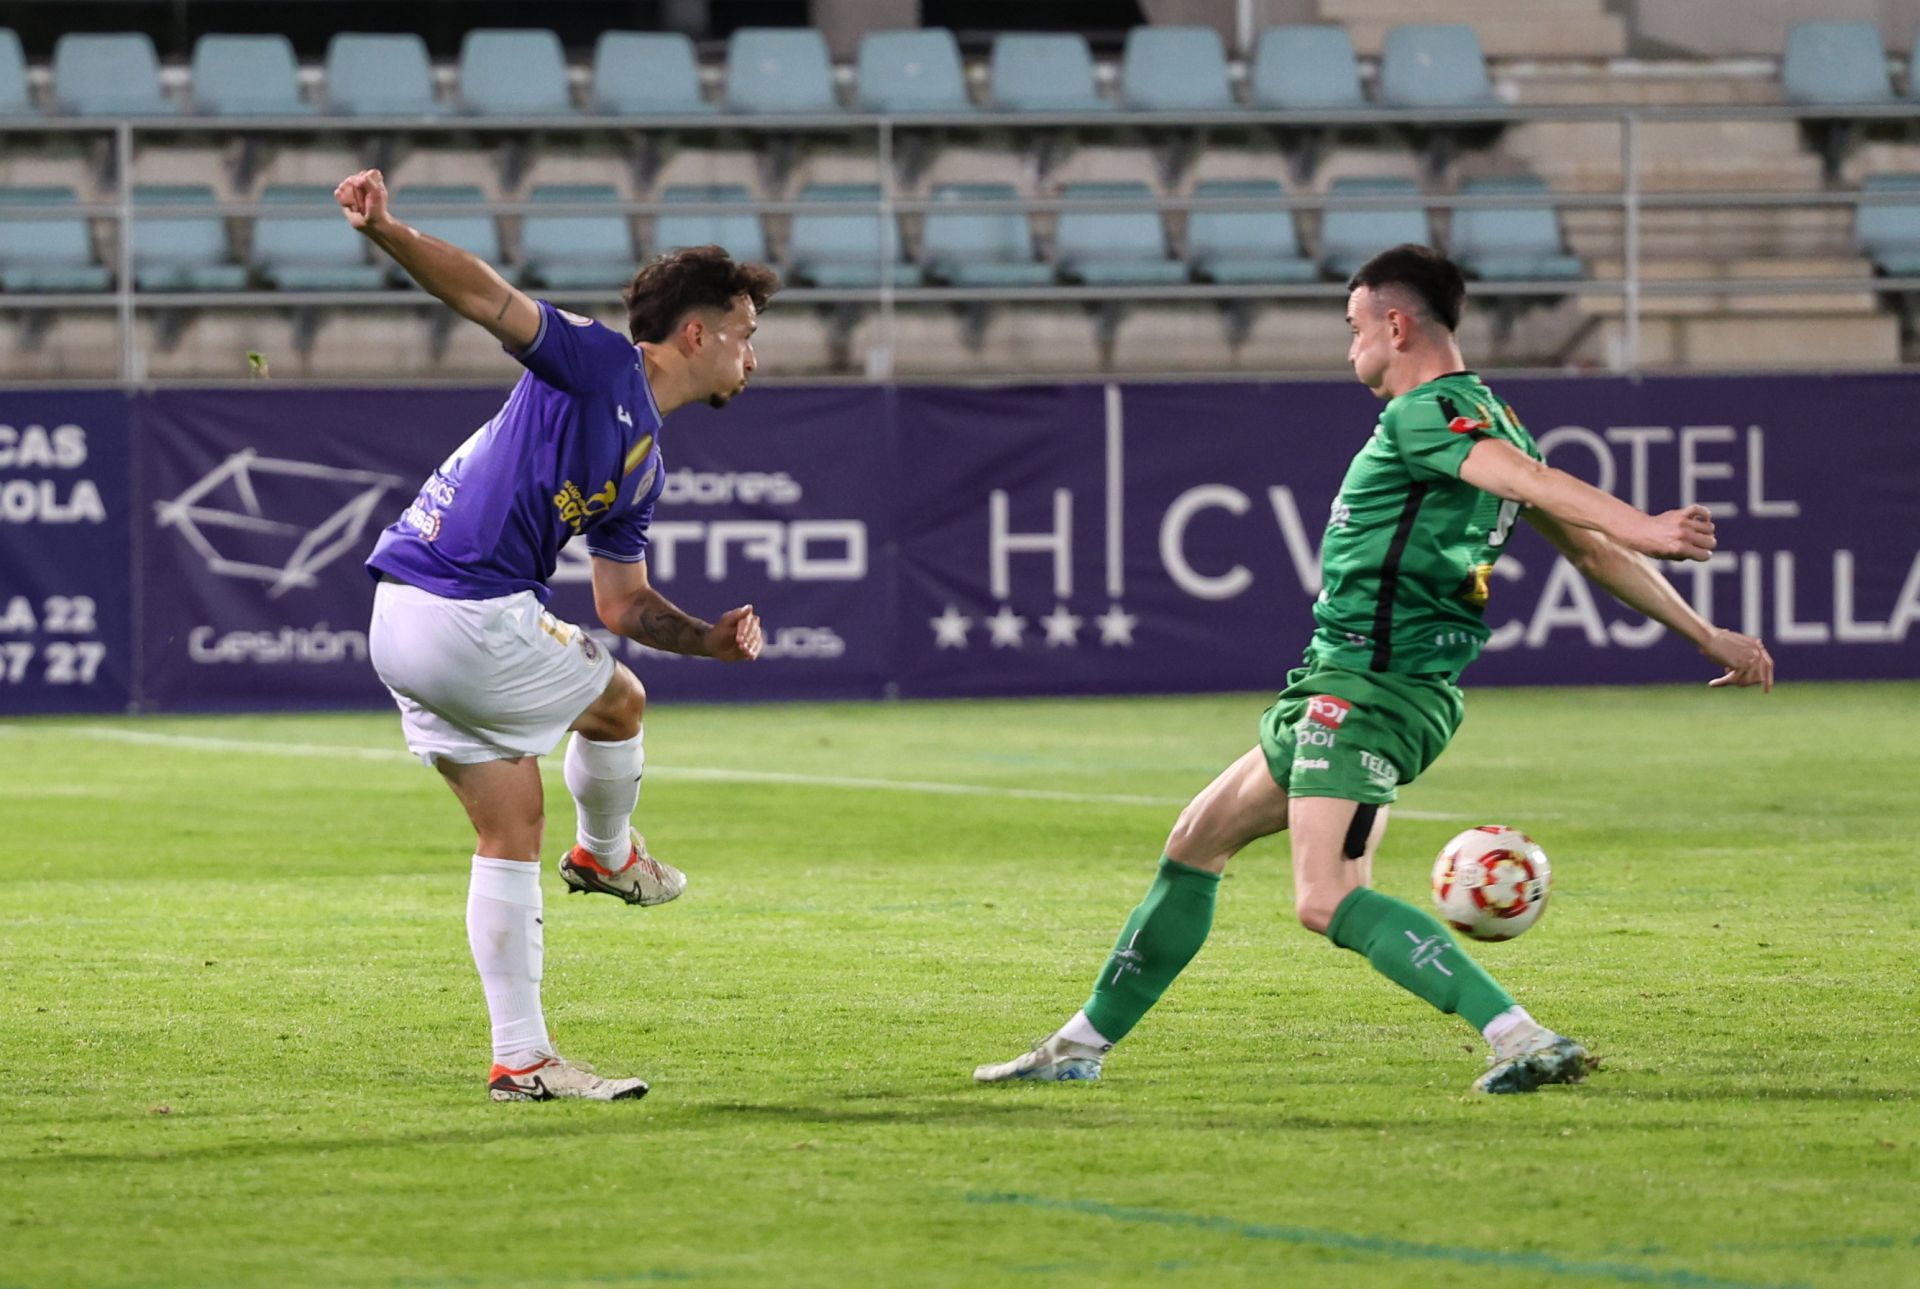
{"x": 1156, "y": 943}
{"x": 1413, "y": 950}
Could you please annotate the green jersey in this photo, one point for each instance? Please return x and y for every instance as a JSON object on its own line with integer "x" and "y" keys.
{"x": 1409, "y": 546}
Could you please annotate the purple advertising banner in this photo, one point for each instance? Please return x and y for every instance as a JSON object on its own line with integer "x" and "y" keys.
{"x": 66, "y": 616}
{"x": 935, "y": 542}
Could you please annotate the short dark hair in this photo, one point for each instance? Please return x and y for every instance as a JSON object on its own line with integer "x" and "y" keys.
{"x": 670, "y": 286}
{"x": 1422, "y": 270}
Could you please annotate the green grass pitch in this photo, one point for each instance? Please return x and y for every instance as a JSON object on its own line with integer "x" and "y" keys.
{"x": 244, "y": 1044}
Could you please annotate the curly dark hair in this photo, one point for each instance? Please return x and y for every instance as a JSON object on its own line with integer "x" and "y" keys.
{"x": 670, "y": 286}
{"x": 1433, "y": 279}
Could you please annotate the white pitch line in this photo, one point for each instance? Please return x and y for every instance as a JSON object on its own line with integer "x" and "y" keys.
{"x": 698, "y": 773}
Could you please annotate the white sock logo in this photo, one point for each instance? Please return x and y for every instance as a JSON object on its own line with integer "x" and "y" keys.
{"x": 1426, "y": 953}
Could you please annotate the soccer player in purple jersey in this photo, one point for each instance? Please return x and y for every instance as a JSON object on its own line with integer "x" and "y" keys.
{"x": 486, "y": 679}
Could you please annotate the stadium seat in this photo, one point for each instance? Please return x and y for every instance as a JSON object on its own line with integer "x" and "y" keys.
{"x": 380, "y": 75}
{"x": 1174, "y": 69}
{"x": 476, "y": 232}
{"x": 1835, "y": 62}
{"x": 1043, "y": 74}
{"x": 779, "y": 69}
{"x": 740, "y": 233}
{"x": 246, "y": 76}
{"x": 577, "y": 251}
{"x": 1245, "y": 245}
{"x": 1434, "y": 66}
{"x": 313, "y": 251}
{"x": 1888, "y": 233}
{"x": 911, "y": 71}
{"x": 968, "y": 248}
{"x": 1349, "y": 238}
{"x": 1510, "y": 243}
{"x": 108, "y": 75}
{"x": 182, "y": 254}
{"x": 844, "y": 250}
{"x": 646, "y": 74}
{"x": 50, "y": 254}
{"x": 1306, "y": 68}
{"x": 15, "y": 100}
{"x": 1114, "y": 248}
{"x": 514, "y": 72}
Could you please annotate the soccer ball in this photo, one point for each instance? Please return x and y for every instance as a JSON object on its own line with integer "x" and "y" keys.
{"x": 1491, "y": 882}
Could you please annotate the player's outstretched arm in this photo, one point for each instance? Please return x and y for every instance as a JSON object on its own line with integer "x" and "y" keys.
{"x": 1630, "y": 579}
{"x": 1500, "y": 468}
{"x": 468, "y": 285}
{"x": 629, "y": 605}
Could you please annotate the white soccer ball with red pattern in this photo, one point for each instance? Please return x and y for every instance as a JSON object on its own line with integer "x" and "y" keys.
{"x": 1491, "y": 882}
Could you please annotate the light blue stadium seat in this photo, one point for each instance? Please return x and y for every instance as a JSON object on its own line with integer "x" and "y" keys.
{"x": 1245, "y": 245}
{"x": 644, "y": 73}
{"x": 246, "y": 76}
{"x": 740, "y": 233}
{"x": 1889, "y": 233}
{"x": 911, "y": 71}
{"x": 372, "y": 74}
{"x": 841, "y": 249}
{"x": 577, "y": 252}
{"x": 476, "y": 232}
{"x": 1306, "y": 68}
{"x": 779, "y": 69}
{"x": 316, "y": 251}
{"x": 1114, "y": 248}
{"x": 1510, "y": 243}
{"x": 181, "y": 254}
{"x": 1174, "y": 69}
{"x": 108, "y": 75}
{"x": 514, "y": 72}
{"x": 980, "y": 248}
{"x": 1835, "y": 62}
{"x": 14, "y": 97}
{"x": 1043, "y": 74}
{"x": 1349, "y": 238}
{"x": 1434, "y": 66}
{"x": 50, "y": 254}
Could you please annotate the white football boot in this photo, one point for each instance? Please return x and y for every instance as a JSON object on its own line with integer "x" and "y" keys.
{"x": 1530, "y": 1057}
{"x": 644, "y": 880}
{"x": 1053, "y": 1060}
{"x": 552, "y": 1079}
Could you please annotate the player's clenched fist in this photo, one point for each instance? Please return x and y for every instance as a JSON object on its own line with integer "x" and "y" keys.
{"x": 364, "y": 198}
{"x": 736, "y": 636}
{"x": 1679, "y": 534}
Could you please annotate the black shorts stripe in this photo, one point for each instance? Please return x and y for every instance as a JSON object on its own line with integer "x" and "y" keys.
{"x": 1390, "y": 578}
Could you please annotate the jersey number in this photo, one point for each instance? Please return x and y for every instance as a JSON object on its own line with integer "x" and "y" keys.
{"x": 1503, "y": 525}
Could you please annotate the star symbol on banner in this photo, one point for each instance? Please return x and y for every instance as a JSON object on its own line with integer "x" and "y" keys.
{"x": 950, "y": 629}
{"x": 1116, "y": 626}
{"x": 1063, "y": 628}
{"x": 1007, "y": 627}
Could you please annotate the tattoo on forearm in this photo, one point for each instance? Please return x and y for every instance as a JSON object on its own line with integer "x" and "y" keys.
{"x": 660, "y": 625}
{"x": 505, "y": 301}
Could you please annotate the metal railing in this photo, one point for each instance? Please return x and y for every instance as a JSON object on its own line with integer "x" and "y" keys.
{"x": 1632, "y": 202}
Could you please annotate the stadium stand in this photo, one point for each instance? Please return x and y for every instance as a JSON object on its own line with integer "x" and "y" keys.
{"x": 1350, "y": 235}
{"x": 740, "y": 234}
{"x": 1044, "y": 74}
{"x": 1113, "y": 247}
{"x": 476, "y": 232}
{"x": 1831, "y": 63}
{"x": 1245, "y": 245}
{"x": 16, "y": 96}
{"x": 1888, "y": 233}
{"x": 773, "y": 69}
{"x": 1306, "y": 68}
{"x": 311, "y": 251}
{"x": 577, "y": 251}
{"x": 980, "y": 248}
{"x": 1434, "y": 66}
{"x": 380, "y": 75}
{"x": 1516, "y": 243}
{"x": 646, "y": 74}
{"x": 837, "y": 249}
{"x": 1174, "y": 69}
{"x": 246, "y": 76}
{"x": 507, "y": 72}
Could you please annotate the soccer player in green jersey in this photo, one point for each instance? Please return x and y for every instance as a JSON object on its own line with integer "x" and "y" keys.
{"x": 1423, "y": 513}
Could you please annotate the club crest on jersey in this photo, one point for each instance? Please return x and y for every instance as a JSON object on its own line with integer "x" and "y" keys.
{"x": 575, "y": 318}
{"x": 1325, "y": 709}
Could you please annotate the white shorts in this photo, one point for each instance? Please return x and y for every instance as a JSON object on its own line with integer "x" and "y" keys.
{"x": 482, "y": 680}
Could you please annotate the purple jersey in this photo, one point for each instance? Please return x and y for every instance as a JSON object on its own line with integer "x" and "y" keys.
{"x": 575, "y": 450}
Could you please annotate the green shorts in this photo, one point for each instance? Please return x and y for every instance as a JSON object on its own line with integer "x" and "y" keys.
{"x": 1357, "y": 735}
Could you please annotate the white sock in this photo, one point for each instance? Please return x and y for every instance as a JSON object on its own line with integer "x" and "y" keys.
{"x": 1081, "y": 1030}
{"x": 1505, "y": 1023}
{"x": 505, "y": 931}
{"x": 604, "y": 779}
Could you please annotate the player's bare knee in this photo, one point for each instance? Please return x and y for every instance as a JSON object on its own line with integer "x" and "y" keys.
{"x": 1314, "y": 907}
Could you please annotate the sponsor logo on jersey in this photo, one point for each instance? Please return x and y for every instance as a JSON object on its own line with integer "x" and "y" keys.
{"x": 1478, "y": 585}
{"x": 1381, "y": 773}
{"x": 1459, "y": 424}
{"x": 639, "y": 454}
{"x": 623, "y": 416}
{"x": 1314, "y": 763}
{"x": 576, "y": 508}
{"x": 1325, "y": 709}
